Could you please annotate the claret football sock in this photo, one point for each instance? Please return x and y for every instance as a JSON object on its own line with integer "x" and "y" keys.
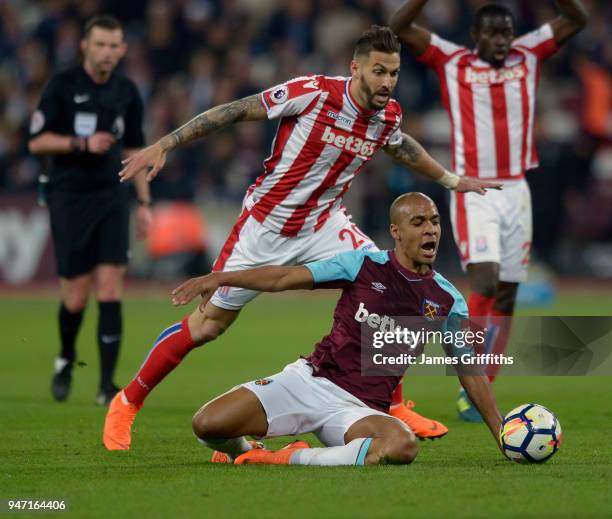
{"x": 110, "y": 327}
{"x": 172, "y": 345}
{"x": 353, "y": 453}
{"x": 69, "y": 324}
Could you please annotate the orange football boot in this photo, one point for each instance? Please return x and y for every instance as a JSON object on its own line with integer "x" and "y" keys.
{"x": 118, "y": 423}
{"x": 266, "y": 457}
{"x": 222, "y": 457}
{"x": 424, "y": 428}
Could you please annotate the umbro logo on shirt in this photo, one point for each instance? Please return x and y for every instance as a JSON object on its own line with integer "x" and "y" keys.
{"x": 81, "y": 98}
{"x": 379, "y": 287}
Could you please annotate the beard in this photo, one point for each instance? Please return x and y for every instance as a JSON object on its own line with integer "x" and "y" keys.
{"x": 370, "y": 96}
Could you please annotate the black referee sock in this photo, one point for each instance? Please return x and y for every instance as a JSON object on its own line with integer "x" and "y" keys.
{"x": 69, "y": 324}
{"x": 109, "y": 339}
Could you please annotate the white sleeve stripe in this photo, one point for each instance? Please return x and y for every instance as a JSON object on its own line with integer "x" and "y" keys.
{"x": 443, "y": 45}
{"x": 534, "y": 38}
{"x": 293, "y": 106}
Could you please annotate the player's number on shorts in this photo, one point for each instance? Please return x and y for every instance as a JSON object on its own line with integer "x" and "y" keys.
{"x": 356, "y": 236}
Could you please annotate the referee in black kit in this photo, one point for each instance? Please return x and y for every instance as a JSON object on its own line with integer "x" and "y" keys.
{"x": 87, "y": 118}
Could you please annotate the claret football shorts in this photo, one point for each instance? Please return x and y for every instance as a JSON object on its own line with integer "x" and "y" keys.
{"x": 495, "y": 228}
{"x": 297, "y": 403}
{"x": 251, "y": 244}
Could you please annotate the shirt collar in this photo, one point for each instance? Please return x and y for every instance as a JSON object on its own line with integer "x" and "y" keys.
{"x": 353, "y": 102}
{"x": 411, "y": 275}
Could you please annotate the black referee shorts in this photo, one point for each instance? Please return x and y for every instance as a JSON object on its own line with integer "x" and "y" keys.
{"x": 89, "y": 229}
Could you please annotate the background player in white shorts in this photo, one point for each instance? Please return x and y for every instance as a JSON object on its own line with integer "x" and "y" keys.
{"x": 329, "y": 128}
{"x": 489, "y": 93}
{"x": 326, "y": 393}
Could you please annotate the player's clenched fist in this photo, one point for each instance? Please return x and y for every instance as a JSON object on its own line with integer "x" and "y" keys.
{"x": 204, "y": 286}
{"x": 149, "y": 160}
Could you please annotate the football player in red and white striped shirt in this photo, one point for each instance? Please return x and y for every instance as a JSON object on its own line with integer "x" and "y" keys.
{"x": 329, "y": 128}
{"x": 489, "y": 93}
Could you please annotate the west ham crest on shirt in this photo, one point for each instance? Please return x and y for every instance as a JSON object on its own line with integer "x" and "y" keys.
{"x": 430, "y": 309}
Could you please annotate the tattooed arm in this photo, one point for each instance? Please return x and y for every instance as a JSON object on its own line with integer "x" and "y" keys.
{"x": 246, "y": 109}
{"x": 412, "y": 155}
{"x": 152, "y": 158}
{"x": 409, "y": 152}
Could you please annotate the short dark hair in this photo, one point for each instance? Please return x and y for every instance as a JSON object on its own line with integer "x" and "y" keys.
{"x": 491, "y": 10}
{"x": 104, "y": 21}
{"x": 381, "y": 39}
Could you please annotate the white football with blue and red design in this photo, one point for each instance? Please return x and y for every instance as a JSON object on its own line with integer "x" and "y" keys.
{"x": 530, "y": 433}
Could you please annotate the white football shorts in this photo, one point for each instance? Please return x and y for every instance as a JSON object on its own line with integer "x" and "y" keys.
{"x": 250, "y": 245}
{"x": 495, "y": 228}
{"x": 298, "y": 403}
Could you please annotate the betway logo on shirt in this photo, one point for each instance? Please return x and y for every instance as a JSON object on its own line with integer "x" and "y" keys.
{"x": 383, "y": 323}
{"x": 349, "y": 143}
{"x": 494, "y": 76}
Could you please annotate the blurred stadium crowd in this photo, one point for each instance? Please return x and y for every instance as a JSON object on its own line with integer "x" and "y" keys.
{"x": 188, "y": 55}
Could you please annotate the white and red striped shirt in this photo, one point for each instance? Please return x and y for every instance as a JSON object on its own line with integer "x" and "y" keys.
{"x": 324, "y": 138}
{"x": 491, "y": 109}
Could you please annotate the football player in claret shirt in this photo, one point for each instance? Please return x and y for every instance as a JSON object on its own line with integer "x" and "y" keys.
{"x": 489, "y": 93}
{"x": 326, "y": 392}
{"x": 329, "y": 128}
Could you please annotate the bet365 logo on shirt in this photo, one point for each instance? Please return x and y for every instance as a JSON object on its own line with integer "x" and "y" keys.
{"x": 349, "y": 143}
{"x": 494, "y": 76}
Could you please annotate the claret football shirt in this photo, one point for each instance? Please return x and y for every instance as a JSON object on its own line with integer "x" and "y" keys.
{"x": 373, "y": 283}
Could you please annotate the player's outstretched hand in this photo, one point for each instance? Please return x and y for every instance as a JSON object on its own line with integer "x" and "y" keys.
{"x": 204, "y": 286}
{"x": 468, "y": 184}
{"x": 149, "y": 160}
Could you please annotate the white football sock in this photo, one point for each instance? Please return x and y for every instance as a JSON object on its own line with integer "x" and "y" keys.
{"x": 234, "y": 446}
{"x": 353, "y": 453}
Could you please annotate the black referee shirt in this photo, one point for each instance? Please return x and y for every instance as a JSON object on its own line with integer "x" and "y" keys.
{"x": 72, "y": 104}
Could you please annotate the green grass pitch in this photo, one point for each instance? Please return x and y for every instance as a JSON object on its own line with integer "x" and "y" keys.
{"x": 50, "y": 450}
